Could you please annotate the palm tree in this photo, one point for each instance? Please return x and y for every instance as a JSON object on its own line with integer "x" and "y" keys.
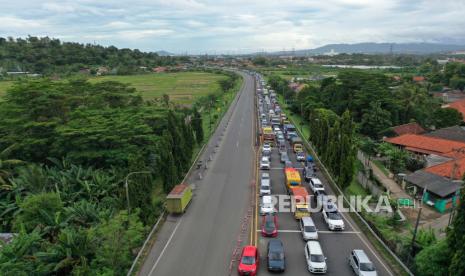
{"x": 6, "y": 164}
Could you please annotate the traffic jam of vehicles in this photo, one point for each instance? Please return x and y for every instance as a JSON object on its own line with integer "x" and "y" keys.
{"x": 286, "y": 168}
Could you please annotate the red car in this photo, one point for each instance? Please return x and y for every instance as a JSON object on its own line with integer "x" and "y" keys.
{"x": 270, "y": 226}
{"x": 248, "y": 264}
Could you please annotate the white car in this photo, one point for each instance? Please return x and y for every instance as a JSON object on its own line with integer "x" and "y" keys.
{"x": 316, "y": 185}
{"x": 266, "y": 148}
{"x": 316, "y": 261}
{"x": 266, "y": 206}
{"x": 265, "y": 184}
{"x": 276, "y": 129}
{"x": 308, "y": 229}
{"x": 332, "y": 217}
{"x": 265, "y": 163}
{"x": 361, "y": 264}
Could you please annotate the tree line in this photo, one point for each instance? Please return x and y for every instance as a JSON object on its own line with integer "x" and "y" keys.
{"x": 67, "y": 148}
{"x": 48, "y": 56}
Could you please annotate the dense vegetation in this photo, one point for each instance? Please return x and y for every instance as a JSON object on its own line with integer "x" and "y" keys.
{"x": 46, "y": 55}
{"x": 68, "y": 147}
{"x": 445, "y": 257}
{"x": 376, "y": 103}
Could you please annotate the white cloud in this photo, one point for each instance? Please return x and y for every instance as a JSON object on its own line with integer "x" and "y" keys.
{"x": 199, "y": 25}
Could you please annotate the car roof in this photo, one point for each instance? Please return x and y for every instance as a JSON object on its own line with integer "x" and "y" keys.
{"x": 307, "y": 221}
{"x": 362, "y": 257}
{"x": 275, "y": 244}
{"x": 315, "y": 247}
{"x": 266, "y": 199}
{"x": 316, "y": 180}
{"x": 249, "y": 250}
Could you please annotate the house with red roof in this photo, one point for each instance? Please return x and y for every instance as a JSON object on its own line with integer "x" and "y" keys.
{"x": 457, "y": 105}
{"x": 437, "y": 185}
{"x": 418, "y": 79}
{"x": 420, "y": 144}
{"x": 453, "y": 169}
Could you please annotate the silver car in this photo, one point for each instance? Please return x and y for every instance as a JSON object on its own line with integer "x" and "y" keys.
{"x": 265, "y": 163}
{"x": 360, "y": 263}
{"x": 265, "y": 184}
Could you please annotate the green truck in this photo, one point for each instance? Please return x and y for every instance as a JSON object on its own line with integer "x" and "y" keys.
{"x": 178, "y": 199}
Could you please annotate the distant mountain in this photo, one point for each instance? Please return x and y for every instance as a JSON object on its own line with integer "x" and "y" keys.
{"x": 164, "y": 53}
{"x": 377, "y": 48}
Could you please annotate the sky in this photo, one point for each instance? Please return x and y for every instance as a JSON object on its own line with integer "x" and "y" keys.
{"x": 234, "y": 26}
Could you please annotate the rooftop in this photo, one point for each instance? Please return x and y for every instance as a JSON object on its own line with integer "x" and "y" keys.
{"x": 410, "y": 128}
{"x": 454, "y": 133}
{"x": 433, "y": 183}
{"x": 426, "y": 144}
{"x": 454, "y": 169}
{"x": 457, "y": 105}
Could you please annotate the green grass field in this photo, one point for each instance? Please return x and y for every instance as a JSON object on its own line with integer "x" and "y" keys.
{"x": 4, "y": 85}
{"x": 183, "y": 87}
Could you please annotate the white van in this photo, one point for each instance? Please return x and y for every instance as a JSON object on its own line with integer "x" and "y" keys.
{"x": 266, "y": 205}
{"x": 308, "y": 229}
{"x": 361, "y": 264}
{"x": 316, "y": 261}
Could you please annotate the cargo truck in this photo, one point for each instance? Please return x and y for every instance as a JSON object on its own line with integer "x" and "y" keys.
{"x": 268, "y": 135}
{"x": 178, "y": 199}
{"x": 301, "y": 202}
{"x": 292, "y": 178}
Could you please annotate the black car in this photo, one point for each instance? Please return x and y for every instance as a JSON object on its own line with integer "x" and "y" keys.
{"x": 275, "y": 257}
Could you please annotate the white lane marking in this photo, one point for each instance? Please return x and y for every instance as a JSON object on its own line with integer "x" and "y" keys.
{"x": 322, "y": 232}
{"x": 237, "y": 144}
{"x": 166, "y": 246}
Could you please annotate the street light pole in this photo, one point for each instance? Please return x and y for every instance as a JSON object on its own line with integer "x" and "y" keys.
{"x": 127, "y": 187}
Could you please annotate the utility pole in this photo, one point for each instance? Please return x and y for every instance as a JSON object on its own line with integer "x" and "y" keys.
{"x": 416, "y": 226}
{"x": 127, "y": 188}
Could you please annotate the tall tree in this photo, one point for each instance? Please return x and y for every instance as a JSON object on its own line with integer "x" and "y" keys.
{"x": 375, "y": 119}
{"x": 456, "y": 239}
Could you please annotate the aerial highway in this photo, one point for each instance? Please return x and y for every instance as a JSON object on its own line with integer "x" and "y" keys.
{"x": 336, "y": 246}
{"x": 223, "y": 215}
{"x": 202, "y": 241}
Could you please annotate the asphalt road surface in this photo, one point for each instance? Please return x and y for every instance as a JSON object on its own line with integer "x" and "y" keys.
{"x": 201, "y": 241}
{"x": 335, "y": 245}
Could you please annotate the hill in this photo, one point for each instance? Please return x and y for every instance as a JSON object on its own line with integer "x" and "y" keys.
{"x": 49, "y": 56}
{"x": 377, "y": 48}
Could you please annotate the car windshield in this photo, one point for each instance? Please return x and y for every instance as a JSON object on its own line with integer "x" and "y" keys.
{"x": 269, "y": 224}
{"x": 276, "y": 256}
{"x": 317, "y": 258}
{"x": 265, "y": 187}
{"x": 248, "y": 260}
{"x": 265, "y": 176}
{"x": 367, "y": 267}
{"x": 334, "y": 215}
{"x": 310, "y": 228}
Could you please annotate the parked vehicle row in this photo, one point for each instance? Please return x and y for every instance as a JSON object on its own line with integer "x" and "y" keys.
{"x": 276, "y": 130}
